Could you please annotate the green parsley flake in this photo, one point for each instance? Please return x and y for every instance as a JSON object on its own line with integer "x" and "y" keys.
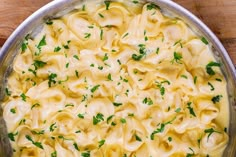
{"x": 107, "y": 3}
{"x": 95, "y": 88}
{"x": 8, "y": 93}
{"x": 54, "y": 154}
{"x": 101, "y": 143}
{"x": 177, "y": 58}
{"x": 35, "y": 105}
{"x": 81, "y": 116}
{"x": 152, "y": 6}
{"x": 203, "y": 39}
{"x": 122, "y": 120}
{"x": 23, "y": 97}
{"x": 87, "y": 35}
{"x": 148, "y": 101}
{"x": 191, "y": 111}
{"x": 117, "y": 104}
{"x": 85, "y": 154}
{"x": 51, "y": 79}
{"x": 57, "y": 49}
{"x": 37, "y": 144}
{"x": 216, "y": 99}
{"x": 138, "y": 138}
{"x": 13, "y": 110}
{"x": 210, "y": 132}
{"x": 98, "y": 118}
{"x": 76, "y": 146}
{"x": 11, "y": 136}
{"x": 209, "y": 66}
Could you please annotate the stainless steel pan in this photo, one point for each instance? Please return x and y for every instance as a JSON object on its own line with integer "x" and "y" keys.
{"x": 57, "y": 8}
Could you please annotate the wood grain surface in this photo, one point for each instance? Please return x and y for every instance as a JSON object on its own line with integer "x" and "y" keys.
{"x": 219, "y": 15}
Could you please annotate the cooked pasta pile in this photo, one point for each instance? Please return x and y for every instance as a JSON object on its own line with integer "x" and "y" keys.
{"x": 115, "y": 79}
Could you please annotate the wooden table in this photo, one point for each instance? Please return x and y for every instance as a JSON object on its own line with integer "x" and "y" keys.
{"x": 219, "y": 15}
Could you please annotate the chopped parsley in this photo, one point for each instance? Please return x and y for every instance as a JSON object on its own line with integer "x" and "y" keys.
{"x": 212, "y": 87}
{"x": 37, "y": 144}
{"x": 52, "y": 127}
{"x": 109, "y": 77}
{"x": 152, "y": 6}
{"x": 125, "y": 35}
{"x": 184, "y": 76}
{"x": 109, "y": 118}
{"x": 148, "y": 101}
{"x": 101, "y": 143}
{"x": 38, "y": 132}
{"x": 161, "y": 128}
{"x": 169, "y": 139}
{"x": 67, "y": 45}
{"x": 83, "y": 7}
{"x": 209, "y": 66}
{"x": 105, "y": 57}
{"x": 177, "y": 58}
{"x": 178, "y": 42}
{"x": 100, "y": 67}
{"x": 57, "y": 49}
{"x": 69, "y": 105}
{"x": 216, "y": 99}
{"x": 117, "y": 104}
{"x": 191, "y": 111}
{"x": 67, "y": 65}
{"x": 35, "y": 105}
{"x": 76, "y": 57}
{"x": 203, "y": 39}
{"x": 195, "y": 79}
{"x": 161, "y": 87}
{"x": 95, "y": 88}
{"x": 13, "y": 110}
{"x": 85, "y": 154}
{"x": 210, "y": 132}
{"x": 8, "y": 93}
{"x": 98, "y": 118}
{"x": 142, "y": 53}
{"x": 157, "y": 50}
{"x": 87, "y": 35}
{"x": 138, "y": 138}
{"x": 100, "y": 15}
{"x": 54, "y": 154}
{"x": 40, "y": 45}
{"x": 101, "y": 34}
{"x": 190, "y": 154}
{"x": 219, "y": 80}
{"x": 81, "y": 116}
{"x": 11, "y": 136}
{"x": 178, "y": 110}
{"x": 135, "y": 1}
{"x": 76, "y": 146}
{"x": 49, "y": 22}
{"x": 76, "y": 73}
{"x": 123, "y": 120}
{"x": 107, "y": 3}
{"x": 23, "y": 97}
{"x": 51, "y": 79}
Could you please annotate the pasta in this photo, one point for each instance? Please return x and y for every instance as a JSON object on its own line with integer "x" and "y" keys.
{"x": 116, "y": 79}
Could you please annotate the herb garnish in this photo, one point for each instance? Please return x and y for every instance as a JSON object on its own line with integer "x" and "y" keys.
{"x": 191, "y": 111}
{"x": 209, "y": 66}
{"x": 51, "y": 79}
{"x": 177, "y": 58}
{"x": 216, "y": 99}
{"x": 210, "y": 132}
{"x": 161, "y": 128}
{"x": 37, "y": 144}
{"x": 98, "y": 118}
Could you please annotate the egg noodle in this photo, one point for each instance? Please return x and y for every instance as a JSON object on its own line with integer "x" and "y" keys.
{"x": 116, "y": 79}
